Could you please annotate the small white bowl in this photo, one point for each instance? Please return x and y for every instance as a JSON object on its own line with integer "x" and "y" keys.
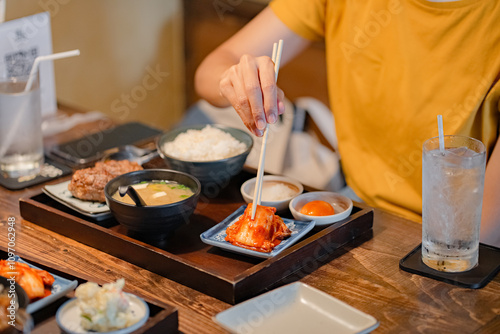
{"x": 247, "y": 189}
{"x": 341, "y": 204}
{"x": 68, "y": 316}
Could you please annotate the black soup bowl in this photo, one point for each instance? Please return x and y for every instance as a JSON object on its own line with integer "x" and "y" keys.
{"x": 152, "y": 222}
{"x": 22, "y": 298}
{"x": 13, "y": 294}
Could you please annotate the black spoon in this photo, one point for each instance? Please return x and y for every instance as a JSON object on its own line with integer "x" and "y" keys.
{"x": 123, "y": 190}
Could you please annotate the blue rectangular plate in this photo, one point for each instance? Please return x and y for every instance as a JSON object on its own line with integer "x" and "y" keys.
{"x": 216, "y": 235}
{"x": 60, "y": 288}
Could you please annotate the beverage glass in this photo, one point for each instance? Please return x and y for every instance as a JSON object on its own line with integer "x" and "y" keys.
{"x": 452, "y": 196}
{"x": 21, "y": 141}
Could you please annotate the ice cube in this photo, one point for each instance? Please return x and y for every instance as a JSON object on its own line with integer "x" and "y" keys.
{"x": 461, "y": 151}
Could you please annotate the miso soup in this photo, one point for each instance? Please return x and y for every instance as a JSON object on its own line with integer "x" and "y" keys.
{"x": 157, "y": 193}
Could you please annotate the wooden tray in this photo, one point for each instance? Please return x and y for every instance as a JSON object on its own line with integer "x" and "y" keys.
{"x": 185, "y": 259}
{"x": 162, "y": 319}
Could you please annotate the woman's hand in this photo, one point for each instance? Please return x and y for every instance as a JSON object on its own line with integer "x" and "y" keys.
{"x": 237, "y": 73}
{"x": 251, "y": 89}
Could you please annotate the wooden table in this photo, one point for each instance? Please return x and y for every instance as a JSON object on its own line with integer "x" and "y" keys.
{"x": 364, "y": 274}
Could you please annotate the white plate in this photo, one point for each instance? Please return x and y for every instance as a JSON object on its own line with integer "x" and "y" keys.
{"x": 60, "y": 193}
{"x": 216, "y": 235}
{"x": 295, "y": 308}
{"x": 68, "y": 316}
{"x": 60, "y": 288}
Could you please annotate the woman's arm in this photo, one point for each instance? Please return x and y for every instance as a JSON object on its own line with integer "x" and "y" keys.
{"x": 240, "y": 72}
{"x": 490, "y": 219}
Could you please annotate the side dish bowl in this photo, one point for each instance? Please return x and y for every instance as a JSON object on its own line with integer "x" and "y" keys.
{"x": 213, "y": 175}
{"x": 68, "y": 316}
{"x": 14, "y": 300}
{"x": 21, "y": 298}
{"x": 247, "y": 191}
{"x": 155, "y": 222}
{"x": 341, "y": 204}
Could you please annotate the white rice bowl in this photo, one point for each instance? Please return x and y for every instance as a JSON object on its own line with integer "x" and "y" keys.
{"x": 207, "y": 144}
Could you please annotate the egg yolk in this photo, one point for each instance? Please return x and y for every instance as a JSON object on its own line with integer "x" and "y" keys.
{"x": 317, "y": 208}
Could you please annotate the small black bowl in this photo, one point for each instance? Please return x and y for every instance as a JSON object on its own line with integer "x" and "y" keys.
{"x": 155, "y": 222}
{"x": 21, "y": 296}
{"x": 23, "y": 322}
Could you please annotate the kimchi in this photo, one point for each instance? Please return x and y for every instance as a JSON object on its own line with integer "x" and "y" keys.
{"x": 262, "y": 233}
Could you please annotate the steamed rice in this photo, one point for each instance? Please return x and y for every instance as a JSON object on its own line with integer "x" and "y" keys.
{"x": 207, "y": 144}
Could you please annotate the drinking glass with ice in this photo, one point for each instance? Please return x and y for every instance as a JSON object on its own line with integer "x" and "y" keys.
{"x": 452, "y": 196}
{"x": 21, "y": 141}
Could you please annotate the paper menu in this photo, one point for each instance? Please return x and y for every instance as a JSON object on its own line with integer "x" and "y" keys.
{"x": 21, "y": 41}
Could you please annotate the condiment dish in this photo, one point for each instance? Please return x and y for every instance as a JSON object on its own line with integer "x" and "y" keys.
{"x": 68, "y": 317}
{"x": 341, "y": 204}
{"x": 270, "y": 185}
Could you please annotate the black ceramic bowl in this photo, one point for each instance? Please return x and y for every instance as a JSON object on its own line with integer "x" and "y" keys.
{"x": 21, "y": 296}
{"x": 156, "y": 222}
{"x": 23, "y": 322}
{"x": 213, "y": 175}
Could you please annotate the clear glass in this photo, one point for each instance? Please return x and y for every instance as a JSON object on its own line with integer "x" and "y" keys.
{"x": 21, "y": 141}
{"x": 452, "y": 197}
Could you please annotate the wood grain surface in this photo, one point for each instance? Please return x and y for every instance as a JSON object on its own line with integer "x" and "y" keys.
{"x": 364, "y": 273}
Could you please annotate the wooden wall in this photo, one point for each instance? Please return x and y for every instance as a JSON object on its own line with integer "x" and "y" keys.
{"x": 123, "y": 42}
{"x": 131, "y": 65}
{"x": 208, "y": 23}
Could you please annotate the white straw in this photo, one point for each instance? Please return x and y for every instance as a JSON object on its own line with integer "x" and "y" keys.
{"x": 276, "y": 58}
{"x": 15, "y": 125}
{"x": 2, "y": 10}
{"x": 39, "y": 59}
{"x": 441, "y": 133}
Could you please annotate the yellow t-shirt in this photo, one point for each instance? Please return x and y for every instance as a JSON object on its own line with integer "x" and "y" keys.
{"x": 392, "y": 67}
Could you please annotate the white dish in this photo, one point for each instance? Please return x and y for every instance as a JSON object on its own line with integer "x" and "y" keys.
{"x": 295, "y": 308}
{"x": 68, "y": 317}
{"x": 341, "y": 204}
{"x": 248, "y": 187}
{"x": 60, "y": 193}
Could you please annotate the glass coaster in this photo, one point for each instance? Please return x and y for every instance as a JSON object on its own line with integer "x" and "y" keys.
{"x": 476, "y": 278}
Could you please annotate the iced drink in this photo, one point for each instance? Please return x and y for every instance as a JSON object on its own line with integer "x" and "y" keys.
{"x": 452, "y": 196}
{"x": 21, "y": 141}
